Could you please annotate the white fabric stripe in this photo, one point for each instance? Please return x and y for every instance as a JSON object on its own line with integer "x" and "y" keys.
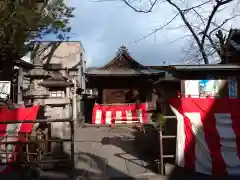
{"x": 129, "y": 116}
{"x": 108, "y": 117}
{"x": 119, "y": 116}
{"x": 180, "y": 138}
{"x": 228, "y": 142}
{"x": 11, "y": 135}
{"x": 14, "y": 128}
{"x": 139, "y": 115}
{"x": 98, "y": 117}
{"x": 203, "y": 160}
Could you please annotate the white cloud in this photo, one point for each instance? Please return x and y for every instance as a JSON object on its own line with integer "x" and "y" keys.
{"x": 103, "y": 27}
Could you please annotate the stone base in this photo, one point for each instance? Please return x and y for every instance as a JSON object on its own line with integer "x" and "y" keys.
{"x": 169, "y": 168}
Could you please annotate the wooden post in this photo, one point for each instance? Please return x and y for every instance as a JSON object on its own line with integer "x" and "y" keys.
{"x": 19, "y": 85}
{"x": 161, "y": 152}
{"x": 72, "y": 149}
{"x": 74, "y": 101}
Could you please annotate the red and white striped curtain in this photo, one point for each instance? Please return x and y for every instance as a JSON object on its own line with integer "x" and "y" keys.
{"x": 10, "y": 132}
{"x": 117, "y": 114}
{"x": 208, "y": 135}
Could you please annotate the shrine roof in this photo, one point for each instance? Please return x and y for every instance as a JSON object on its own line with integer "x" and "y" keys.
{"x": 123, "y": 72}
{"x": 55, "y": 83}
{"x": 22, "y": 63}
{"x": 56, "y": 80}
{"x": 122, "y": 65}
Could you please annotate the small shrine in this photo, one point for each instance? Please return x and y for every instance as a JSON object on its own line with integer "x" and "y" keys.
{"x": 122, "y": 80}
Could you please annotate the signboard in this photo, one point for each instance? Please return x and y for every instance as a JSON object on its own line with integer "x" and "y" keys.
{"x": 192, "y": 88}
{"x": 209, "y": 87}
{"x": 5, "y": 89}
{"x": 202, "y": 88}
{"x": 232, "y": 87}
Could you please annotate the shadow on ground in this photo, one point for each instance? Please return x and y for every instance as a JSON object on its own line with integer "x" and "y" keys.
{"x": 96, "y": 168}
{"x": 130, "y": 147}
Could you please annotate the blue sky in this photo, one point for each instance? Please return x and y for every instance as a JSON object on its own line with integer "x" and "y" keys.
{"x": 103, "y": 27}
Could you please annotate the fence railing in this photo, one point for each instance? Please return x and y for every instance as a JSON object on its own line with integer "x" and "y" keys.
{"x": 162, "y": 156}
{"x": 34, "y": 147}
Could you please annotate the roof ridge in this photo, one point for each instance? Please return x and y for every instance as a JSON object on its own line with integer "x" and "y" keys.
{"x": 122, "y": 52}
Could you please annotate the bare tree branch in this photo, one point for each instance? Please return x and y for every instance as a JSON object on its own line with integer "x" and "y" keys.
{"x": 191, "y": 30}
{"x": 152, "y": 5}
{"x": 213, "y": 45}
{"x": 215, "y": 8}
{"x": 185, "y": 36}
{"x": 201, "y": 33}
{"x": 158, "y": 29}
{"x": 223, "y": 23}
{"x": 197, "y": 6}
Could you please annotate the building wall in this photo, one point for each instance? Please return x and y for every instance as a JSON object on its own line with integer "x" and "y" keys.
{"x": 114, "y": 96}
{"x": 20, "y": 84}
{"x": 70, "y": 55}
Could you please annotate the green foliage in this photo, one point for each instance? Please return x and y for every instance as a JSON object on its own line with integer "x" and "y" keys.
{"x": 22, "y": 21}
{"x": 55, "y": 20}
{"x": 159, "y": 120}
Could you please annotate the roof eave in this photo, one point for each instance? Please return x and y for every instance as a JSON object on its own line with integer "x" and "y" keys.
{"x": 121, "y": 75}
{"x": 214, "y": 67}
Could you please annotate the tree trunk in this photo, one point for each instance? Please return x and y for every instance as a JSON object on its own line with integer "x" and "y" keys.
{"x": 6, "y": 69}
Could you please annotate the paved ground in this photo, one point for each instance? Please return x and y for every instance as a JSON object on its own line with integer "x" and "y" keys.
{"x": 108, "y": 153}
{"x": 111, "y": 154}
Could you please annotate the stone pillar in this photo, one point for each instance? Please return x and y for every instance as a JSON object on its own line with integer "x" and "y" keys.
{"x": 37, "y": 92}
{"x": 74, "y": 101}
{"x": 67, "y": 106}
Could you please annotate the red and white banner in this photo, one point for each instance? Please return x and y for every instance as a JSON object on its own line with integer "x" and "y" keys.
{"x": 118, "y": 114}
{"x": 12, "y": 132}
{"x": 208, "y": 136}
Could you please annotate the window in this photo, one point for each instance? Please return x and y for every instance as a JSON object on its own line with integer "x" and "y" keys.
{"x": 89, "y": 91}
{"x": 92, "y": 92}
{"x": 95, "y": 92}
{"x": 232, "y": 87}
{"x": 57, "y": 94}
{"x": 73, "y": 73}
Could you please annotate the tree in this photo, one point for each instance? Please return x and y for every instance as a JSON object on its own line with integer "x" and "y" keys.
{"x": 25, "y": 23}
{"x": 202, "y": 29}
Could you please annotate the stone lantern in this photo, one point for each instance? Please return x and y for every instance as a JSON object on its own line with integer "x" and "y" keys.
{"x": 37, "y": 92}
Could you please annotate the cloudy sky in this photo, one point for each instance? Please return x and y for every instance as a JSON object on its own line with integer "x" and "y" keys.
{"x": 103, "y": 27}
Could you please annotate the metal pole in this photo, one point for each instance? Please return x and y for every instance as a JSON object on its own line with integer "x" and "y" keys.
{"x": 161, "y": 152}
{"x": 72, "y": 149}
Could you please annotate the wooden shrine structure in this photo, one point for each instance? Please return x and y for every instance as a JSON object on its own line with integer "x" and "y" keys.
{"x": 123, "y": 80}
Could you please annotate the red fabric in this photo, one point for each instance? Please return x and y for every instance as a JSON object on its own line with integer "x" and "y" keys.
{"x": 189, "y": 149}
{"x": 236, "y": 129}
{"x": 207, "y": 107}
{"x": 20, "y": 114}
{"x": 124, "y": 114}
{"x": 114, "y": 108}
